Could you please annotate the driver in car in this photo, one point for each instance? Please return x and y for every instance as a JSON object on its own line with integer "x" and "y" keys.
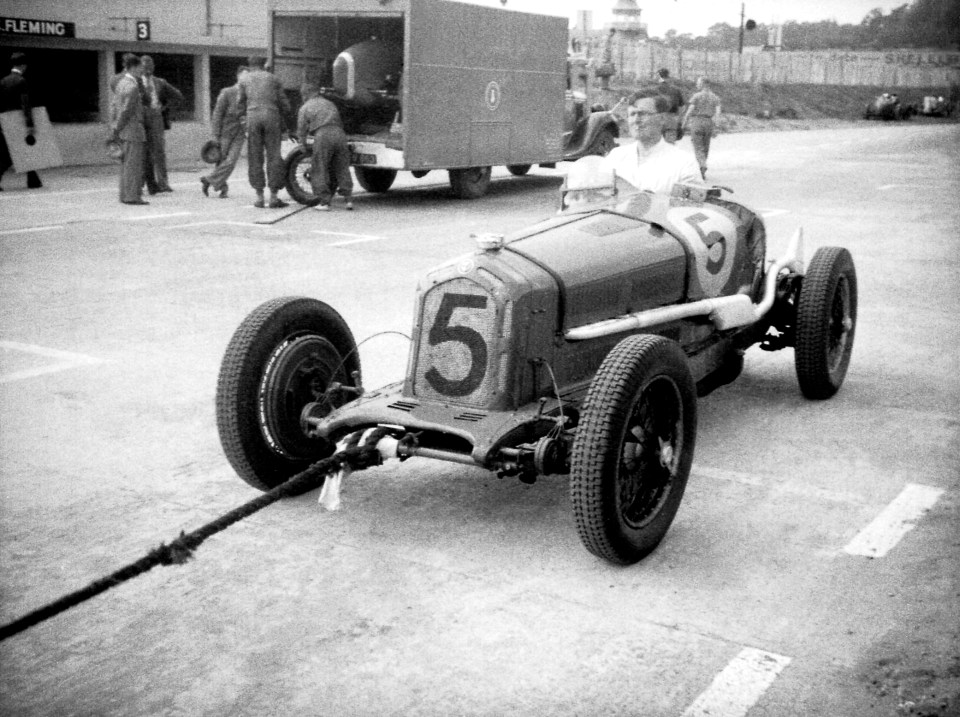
{"x": 651, "y": 163}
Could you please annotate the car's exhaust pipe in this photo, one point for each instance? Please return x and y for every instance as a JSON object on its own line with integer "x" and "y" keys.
{"x": 726, "y": 312}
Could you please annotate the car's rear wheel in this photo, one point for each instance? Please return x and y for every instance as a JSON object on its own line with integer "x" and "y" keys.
{"x": 282, "y": 357}
{"x": 633, "y": 449}
{"x": 297, "y": 169}
{"x": 826, "y": 322}
{"x": 469, "y": 183}
{"x": 375, "y": 180}
{"x": 518, "y": 170}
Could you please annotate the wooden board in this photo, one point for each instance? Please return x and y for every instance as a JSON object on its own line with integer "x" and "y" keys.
{"x": 43, "y": 153}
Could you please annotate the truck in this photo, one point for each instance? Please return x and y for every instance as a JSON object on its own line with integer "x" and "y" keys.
{"x": 425, "y": 85}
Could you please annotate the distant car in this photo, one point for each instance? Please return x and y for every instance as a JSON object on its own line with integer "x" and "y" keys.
{"x": 888, "y": 107}
{"x": 577, "y": 346}
{"x": 936, "y": 107}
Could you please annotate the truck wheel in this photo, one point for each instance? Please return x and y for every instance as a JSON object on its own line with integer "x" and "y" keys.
{"x": 603, "y": 143}
{"x": 518, "y": 170}
{"x": 296, "y": 169}
{"x": 469, "y": 183}
{"x": 282, "y": 357}
{"x": 826, "y": 322}
{"x": 375, "y": 180}
{"x": 633, "y": 449}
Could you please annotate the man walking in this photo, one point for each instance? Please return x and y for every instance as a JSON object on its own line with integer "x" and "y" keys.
{"x": 128, "y": 129}
{"x": 14, "y": 96}
{"x": 319, "y": 118}
{"x": 703, "y": 114}
{"x": 672, "y": 130}
{"x": 228, "y": 125}
{"x": 159, "y": 94}
{"x": 265, "y": 105}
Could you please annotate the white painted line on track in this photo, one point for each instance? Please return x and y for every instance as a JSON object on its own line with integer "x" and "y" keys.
{"x": 27, "y": 230}
{"x": 767, "y": 213}
{"x": 213, "y": 222}
{"x": 345, "y": 234}
{"x": 739, "y": 685}
{"x": 157, "y": 216}
{"x": 356, "y": 238}
{"x": 65, "y": 360}
{"x": 885, "y": 187}
{"x": 894, "y": 521}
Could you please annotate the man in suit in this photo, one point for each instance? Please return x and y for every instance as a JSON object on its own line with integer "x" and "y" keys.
{"x": 127, "y": 129}
{"x": 14, "y": 96}
{"x": 266, "y": 107}
{"x": 159, "y": 94}
{"x": 229, "y": 130}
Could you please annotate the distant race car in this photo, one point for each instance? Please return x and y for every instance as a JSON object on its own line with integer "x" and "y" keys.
{"x": 936, "y": 107}
{"x": 577, "y": 346}
{"x": 888, "y": 107}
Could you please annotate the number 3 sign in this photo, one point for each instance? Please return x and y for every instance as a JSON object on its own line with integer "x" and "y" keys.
{"x": 143, "y": 29}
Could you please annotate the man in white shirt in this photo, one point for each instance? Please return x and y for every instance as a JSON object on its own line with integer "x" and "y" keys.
{"x": 651, "y": 163}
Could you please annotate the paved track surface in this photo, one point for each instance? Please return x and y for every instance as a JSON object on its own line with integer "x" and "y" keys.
{"x": 439, "y": 589}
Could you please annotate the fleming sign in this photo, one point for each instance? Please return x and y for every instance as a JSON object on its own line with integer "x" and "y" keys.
{"x": 44, "y": 28}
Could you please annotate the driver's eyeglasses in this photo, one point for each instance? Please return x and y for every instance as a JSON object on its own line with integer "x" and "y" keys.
{"x": 640, "y": 113}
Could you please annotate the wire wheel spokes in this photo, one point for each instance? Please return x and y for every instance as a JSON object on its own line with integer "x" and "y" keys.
{"x": 650, "y": 452}
{"x": 841, "y": 322}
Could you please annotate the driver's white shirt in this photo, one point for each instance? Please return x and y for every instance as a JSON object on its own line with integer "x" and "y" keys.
{"x": 653, "y": 170}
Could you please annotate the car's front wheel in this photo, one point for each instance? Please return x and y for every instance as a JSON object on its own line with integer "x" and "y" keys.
{"x": 826, "y": 322}
{"x": 282, "y": 357}
{"x": 633, "y": 449}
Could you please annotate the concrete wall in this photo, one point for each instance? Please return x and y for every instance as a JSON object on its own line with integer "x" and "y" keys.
{"x": 899, "y": 68}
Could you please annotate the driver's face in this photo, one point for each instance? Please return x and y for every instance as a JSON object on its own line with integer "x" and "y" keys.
{"x": 645, "y": 123}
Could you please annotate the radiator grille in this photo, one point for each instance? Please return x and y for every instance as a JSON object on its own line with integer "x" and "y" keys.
{"x": 458, "y": 354}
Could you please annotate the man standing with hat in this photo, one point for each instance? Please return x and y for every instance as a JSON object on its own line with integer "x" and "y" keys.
{"x": 14, "y": 96}
{"x": 128, "y": 130}
{"x": 229, "y": 129}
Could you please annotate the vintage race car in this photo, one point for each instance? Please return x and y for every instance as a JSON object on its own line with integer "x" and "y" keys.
{"x": 888, "y": 107}
{"x": 938, "y": 106}
{"x": 577, "y": 346}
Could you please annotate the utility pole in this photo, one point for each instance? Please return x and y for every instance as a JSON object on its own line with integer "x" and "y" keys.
{"x": 742, "y": 12}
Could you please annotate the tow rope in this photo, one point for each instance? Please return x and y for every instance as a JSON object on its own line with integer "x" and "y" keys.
{"x": 354, "y": 456}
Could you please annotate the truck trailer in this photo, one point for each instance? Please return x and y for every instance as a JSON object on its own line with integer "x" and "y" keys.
{"x": 426, "y": 85}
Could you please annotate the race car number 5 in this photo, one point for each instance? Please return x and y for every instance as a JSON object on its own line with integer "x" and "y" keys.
{"x": 711, "y": 237}
{"x": 442, "y": 331}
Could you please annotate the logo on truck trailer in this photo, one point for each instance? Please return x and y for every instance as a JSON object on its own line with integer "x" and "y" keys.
{"x": 493, "y": 95}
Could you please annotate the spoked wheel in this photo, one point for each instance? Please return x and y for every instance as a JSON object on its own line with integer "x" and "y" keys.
{"x": 297, "y": 168}
{"x": 469, "y": 183}
{"x": 634, "y": 448}
{"x": 282, "y": 357}
{"x": 826, "y": 322}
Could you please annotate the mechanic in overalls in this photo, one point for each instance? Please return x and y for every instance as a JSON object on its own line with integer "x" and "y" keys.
{"x": 318, "y": 117}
